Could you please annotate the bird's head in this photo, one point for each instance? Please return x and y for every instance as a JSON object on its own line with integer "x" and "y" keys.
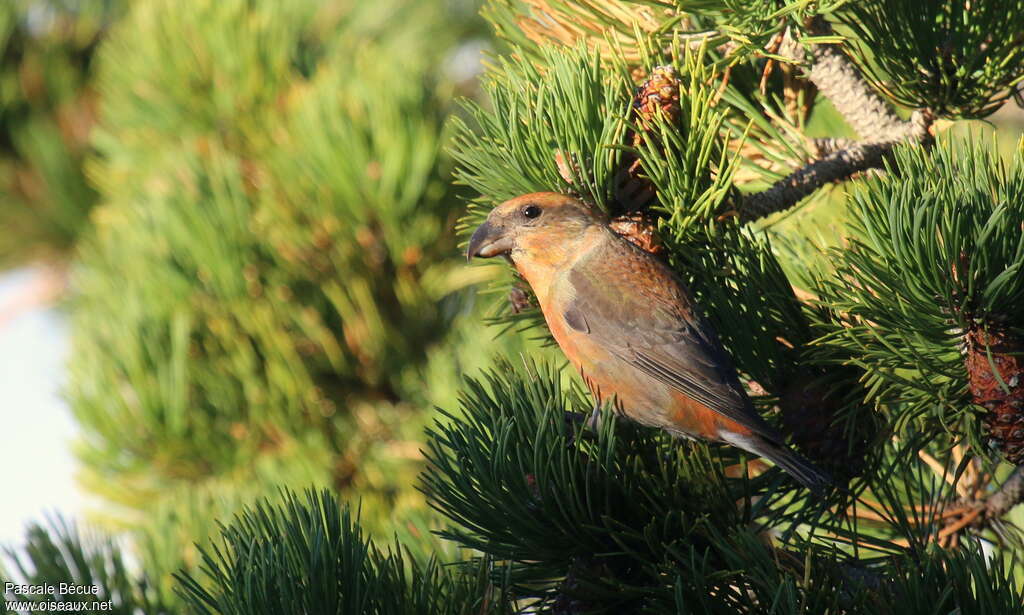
{"x": 538, "y": 226}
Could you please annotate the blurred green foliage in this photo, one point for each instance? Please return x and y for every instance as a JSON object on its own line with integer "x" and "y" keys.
{"x": 261, "y": 298}
{"x": 47, "y": 108}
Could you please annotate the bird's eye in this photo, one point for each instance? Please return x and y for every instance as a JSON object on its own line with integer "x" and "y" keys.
{"x": 531, "y": 211}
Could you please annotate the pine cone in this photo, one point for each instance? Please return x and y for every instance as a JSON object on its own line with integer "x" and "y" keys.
{"x": 659, "y": 93}
{"x": 810, "y": 407}
{"x": 639, "y": 229}
{"x": 634, "y": 193}
{"x": 999, "y": 349}
{"x": 520, "y": 298}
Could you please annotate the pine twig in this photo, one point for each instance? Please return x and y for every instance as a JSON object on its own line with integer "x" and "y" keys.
{"x": 864, "y": 110}
{"x": 975, "y": 514}
{"x": 841, "y": 82}
{"x": 830, "y": 145}
{"x": 837, "y": 166}
{"x": 1010, "y": 494}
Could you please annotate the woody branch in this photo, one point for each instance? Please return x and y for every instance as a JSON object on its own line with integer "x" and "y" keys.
{"x": 838, "y": 79}
{"x": 1008, "y": 496}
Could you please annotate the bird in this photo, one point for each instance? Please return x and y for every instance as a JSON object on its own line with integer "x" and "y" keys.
{"x": 630, "y": 326}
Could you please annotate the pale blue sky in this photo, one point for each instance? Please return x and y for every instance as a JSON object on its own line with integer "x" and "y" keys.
{"x": 36, "y": 463}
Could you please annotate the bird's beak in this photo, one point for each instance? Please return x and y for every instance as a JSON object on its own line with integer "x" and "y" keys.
{"x": 488, "y": 240}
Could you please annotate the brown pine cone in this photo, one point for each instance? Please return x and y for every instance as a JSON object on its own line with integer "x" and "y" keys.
{"x": 991, "y": 353}
{"x": 634, "y": 193}
{"x": 810, "y": 414}
{"x": 639, "y": 229}
{"x": 658, "y": 94}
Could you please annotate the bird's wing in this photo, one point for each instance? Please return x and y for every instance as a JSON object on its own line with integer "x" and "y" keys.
{"x": 637, "y": 309}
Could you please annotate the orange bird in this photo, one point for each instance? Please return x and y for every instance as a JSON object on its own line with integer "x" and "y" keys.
{"x": 630, "y": 326}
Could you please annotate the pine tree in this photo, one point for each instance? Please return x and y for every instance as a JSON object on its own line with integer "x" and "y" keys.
{"x": 891, "y": 357}
{"x": 711, "y": 133}
{"x": 47, "y": 107}
{"x": 266, "y": 281}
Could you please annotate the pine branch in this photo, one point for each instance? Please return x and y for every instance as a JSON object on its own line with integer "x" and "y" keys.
{"x": 830, "y": 145}
{"x": 979, "y": 513}
{"x": 864, "y": 110}
{"x": 1009, "y": 496}
{"x": 834, "y": 167}
{"x": 842, "y": 83}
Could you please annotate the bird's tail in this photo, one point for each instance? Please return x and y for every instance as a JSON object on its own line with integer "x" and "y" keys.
{"x": 805, "y": 472}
